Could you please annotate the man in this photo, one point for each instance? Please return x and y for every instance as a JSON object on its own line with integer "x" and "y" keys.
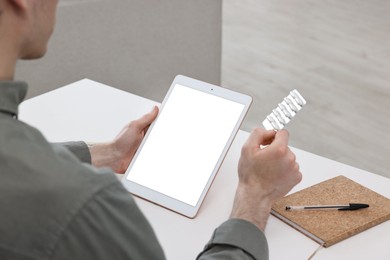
{"x": 57, "y": 206}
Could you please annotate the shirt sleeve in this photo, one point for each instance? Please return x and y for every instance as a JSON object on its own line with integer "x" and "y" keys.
{"x": 236, "y": 239}
{"x": 109, "y": 226}
{"x": 79, "y": 149}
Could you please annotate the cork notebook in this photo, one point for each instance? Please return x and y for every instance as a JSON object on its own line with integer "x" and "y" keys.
{"x": 328, "y": 227}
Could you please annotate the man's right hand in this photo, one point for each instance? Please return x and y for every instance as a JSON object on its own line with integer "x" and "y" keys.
{"x": 265, "y": 175}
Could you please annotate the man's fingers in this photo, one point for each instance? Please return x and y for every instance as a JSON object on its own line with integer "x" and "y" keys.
{"x": 281, "y": 139}
{"x": 147, "y": 119}
{"x": 257, "y": 138}
{"x": 260, "y": 136}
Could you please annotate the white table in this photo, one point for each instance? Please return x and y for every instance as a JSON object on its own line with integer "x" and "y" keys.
{"x": 90, "y": 111}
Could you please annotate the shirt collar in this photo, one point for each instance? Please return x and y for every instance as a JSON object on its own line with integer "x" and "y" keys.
{"x": 12, "y": 93}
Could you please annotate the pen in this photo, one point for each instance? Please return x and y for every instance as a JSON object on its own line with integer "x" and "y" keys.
{"x": 350, "y": 206}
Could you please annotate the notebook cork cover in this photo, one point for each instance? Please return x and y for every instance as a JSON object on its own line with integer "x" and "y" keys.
{"x": 328, "y": 227}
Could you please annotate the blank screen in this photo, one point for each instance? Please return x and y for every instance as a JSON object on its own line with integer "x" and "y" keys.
{"x": 185, "y": 144}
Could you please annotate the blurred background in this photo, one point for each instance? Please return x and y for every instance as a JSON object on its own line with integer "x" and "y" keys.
{"x": 336, "y": 53}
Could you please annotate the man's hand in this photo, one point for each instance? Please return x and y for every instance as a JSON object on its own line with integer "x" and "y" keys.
{"x": 265, "y": 175}
{"x": 118, "y": 154}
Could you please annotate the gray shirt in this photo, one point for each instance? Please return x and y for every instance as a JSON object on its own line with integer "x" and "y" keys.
{"x": 55, "y": 205}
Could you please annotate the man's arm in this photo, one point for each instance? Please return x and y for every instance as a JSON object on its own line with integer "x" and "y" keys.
{"x": 265, "y": 174}
{"x": 79, "y": 149}
{"x": 236, "y": 239}
{"x": 108, "y": 226}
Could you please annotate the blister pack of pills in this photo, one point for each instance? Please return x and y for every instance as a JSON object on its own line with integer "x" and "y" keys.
{"x": 285, "y": 111}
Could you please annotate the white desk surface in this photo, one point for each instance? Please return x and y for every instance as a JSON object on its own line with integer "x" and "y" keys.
{"x": 90, "y": 111}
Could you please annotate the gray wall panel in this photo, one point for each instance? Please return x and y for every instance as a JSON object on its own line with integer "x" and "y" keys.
{"x": 138, "y": 46}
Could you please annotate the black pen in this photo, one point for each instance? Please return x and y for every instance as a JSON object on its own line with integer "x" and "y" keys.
{"x": 350, "y": 206}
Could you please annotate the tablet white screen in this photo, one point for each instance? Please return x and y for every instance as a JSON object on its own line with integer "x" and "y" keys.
{"x": 185, "y": 144}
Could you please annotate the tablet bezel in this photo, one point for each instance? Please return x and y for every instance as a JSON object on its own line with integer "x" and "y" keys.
{"x": 162, "y": 199}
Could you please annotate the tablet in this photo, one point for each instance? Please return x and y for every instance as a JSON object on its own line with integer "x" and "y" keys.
{"x": 183, "y": 149}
